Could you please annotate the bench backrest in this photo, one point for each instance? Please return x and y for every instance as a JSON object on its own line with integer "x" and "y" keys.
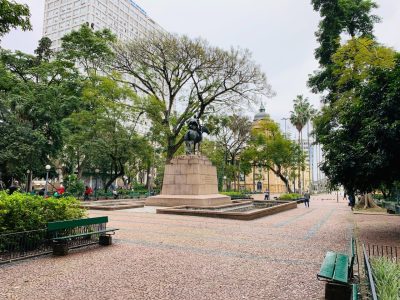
{"x": 60, "y": 225}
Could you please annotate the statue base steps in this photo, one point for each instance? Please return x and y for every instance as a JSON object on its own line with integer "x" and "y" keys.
{"x": 192, "y": 200}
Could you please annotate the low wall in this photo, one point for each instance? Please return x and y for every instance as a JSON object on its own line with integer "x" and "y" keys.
{"x": 245, "y": 216}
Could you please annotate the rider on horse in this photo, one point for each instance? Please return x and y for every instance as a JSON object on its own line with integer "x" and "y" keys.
{"x": 194, "y": 136}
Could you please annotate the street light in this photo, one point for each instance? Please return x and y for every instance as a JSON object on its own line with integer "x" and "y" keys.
{"x": 285, "y": 119}
{"x": 225, "y": 183}
{"x": 95, "y": 189}
{"x": 28, "y": 172}
{"x": 48, "y": 167}
{"x": 149, "y": 184}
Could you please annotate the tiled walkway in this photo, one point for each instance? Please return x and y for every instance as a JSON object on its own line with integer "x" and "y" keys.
{"x": 183, "y": 257}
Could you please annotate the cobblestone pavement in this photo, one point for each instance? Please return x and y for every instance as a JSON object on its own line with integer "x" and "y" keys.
{"x": 184, "y": 257}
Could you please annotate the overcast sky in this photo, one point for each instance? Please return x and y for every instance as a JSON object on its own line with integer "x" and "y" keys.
{"x": 280, "y": 34}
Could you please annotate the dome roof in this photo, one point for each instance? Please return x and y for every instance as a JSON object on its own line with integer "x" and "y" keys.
{"x": 261, "y": 114}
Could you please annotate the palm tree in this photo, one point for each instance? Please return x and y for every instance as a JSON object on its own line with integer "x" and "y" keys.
{"x": 302, "y": 112}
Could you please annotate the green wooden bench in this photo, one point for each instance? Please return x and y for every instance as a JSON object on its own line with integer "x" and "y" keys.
{"x": 337, "y": 270}
{"x": 79, "y": 232}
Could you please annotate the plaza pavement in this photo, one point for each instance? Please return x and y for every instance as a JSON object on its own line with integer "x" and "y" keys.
{"x": 184, "y": 257}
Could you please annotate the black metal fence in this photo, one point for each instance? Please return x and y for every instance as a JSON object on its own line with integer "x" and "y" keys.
{"x": 369, "y": 275}
{"x": 390, "y": 252}
{"x": 26, "y": 244}
{"x": 19, "y": 245}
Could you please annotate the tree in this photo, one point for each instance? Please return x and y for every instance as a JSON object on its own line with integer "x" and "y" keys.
{"x": 352, "y": 123}
{"x": 182, "y": 77}
{"x": 44, "y": 51}
{"x": 13, "y": 15}
{"x": 302, "y": 112}
{"x": 232, "y": 134}
{"x": 351, "y": 17}
{"x": 271, "y": 149}
{"x": 359, "y": 132}
{"x": 35, "y": 97}
{"x": 89, "y": 49}
{"x": 102, "y": 134}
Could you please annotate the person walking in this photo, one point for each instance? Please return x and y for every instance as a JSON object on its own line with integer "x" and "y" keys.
{"x": 352, "y": 200}
{"x": 266, "y": 194}
{"x": 307, "y": 199}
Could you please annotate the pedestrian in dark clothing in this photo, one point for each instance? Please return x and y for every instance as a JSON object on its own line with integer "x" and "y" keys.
{"x": 266, "y": 194}
{"x": 307, "y": 199}
{"x": 352, "y": 200}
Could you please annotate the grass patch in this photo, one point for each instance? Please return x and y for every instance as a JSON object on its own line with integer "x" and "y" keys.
{"x": 387, "y": 278}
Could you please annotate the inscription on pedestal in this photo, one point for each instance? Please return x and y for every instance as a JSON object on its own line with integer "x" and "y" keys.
{"x": 208, "y": 179}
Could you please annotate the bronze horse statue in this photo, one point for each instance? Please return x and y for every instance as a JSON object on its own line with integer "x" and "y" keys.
{"x": 194, "y": 136}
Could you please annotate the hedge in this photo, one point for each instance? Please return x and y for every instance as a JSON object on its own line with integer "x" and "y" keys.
{"x": 23, "y": 212}
{"x": 290, "y": 196}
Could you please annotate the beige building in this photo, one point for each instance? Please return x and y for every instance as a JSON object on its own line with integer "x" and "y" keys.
{"x": 261, "y": 179}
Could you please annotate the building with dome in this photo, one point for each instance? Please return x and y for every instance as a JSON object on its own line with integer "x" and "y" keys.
{"x": 261, "y": 178}
{"x": 261, "y": 114}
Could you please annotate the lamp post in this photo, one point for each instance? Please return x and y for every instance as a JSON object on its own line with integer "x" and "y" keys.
{"x": 96, "y": 187}
{"x": 48, "y": 167}
{"x": 149, "y": 184}
{"x": 224, "y": 183}
{"x": 28, "y": 172}
{"x": 285, "y": 119}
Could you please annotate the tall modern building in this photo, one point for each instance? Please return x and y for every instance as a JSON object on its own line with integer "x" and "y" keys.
{"x": 124, "y": 18}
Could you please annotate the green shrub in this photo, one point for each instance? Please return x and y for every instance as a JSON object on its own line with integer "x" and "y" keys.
{"x": 23, "y": 212}
{"x": 387, "y": 278}
{"x": 236, "y": 195}
{"x": 232, "y": 193}
{"x": 289, "y": 196}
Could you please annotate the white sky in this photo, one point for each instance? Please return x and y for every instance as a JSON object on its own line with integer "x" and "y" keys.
{"x": 280, "y": 34}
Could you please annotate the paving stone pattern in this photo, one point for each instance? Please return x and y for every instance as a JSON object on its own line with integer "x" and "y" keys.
{"x": 183, "y": 257}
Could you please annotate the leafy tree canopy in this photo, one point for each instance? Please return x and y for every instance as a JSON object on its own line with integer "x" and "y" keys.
{"x": 89, "y": 49}
{"x": 351, "y": 17}
{"x": 13, "y": 15}
{"x": 358, "y": 131}
{"x": 182, "y": 77}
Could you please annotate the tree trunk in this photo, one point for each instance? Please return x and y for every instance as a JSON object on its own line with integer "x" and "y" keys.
{"x": 172, "y": 147}
{"x": 310, "y": 163}
{"x": 283, "y": 178}
{"x": 303, "y": 180}
{"x": 299, "y": 164}
{"x": 117, "y": 173}
{"x": 254, "y": 178}
{"x": 366, "y": 201}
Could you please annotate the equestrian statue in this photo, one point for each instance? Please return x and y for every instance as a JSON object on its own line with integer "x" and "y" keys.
{"x": 194, "y": 136}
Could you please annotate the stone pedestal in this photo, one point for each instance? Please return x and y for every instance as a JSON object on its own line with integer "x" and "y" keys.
{"x": 189, "y": 180}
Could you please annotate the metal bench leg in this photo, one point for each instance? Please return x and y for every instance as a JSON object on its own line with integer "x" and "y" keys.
{"x": 60, "y": 248}
{"x": 105, "y": 240}
{"x": 335, "y": 291}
